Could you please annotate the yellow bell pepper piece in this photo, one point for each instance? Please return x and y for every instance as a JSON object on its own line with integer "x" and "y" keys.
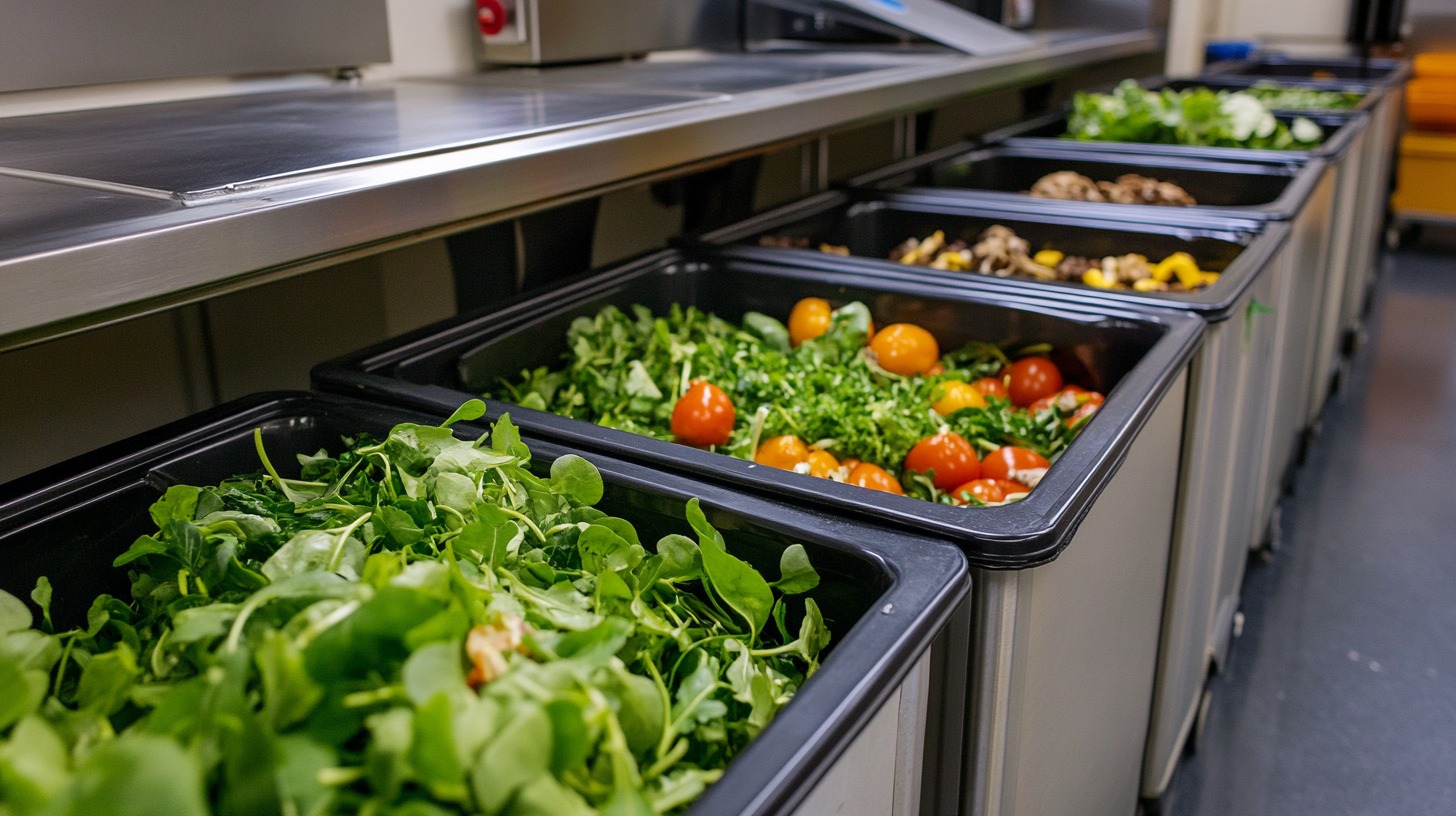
{"x": 1209, "y": 278}
{"x": 1049, "y": 257}
{"x": 1180, "y": 264}
{"x": 1149, "y": 285}
{"x": 1094, "y": 277}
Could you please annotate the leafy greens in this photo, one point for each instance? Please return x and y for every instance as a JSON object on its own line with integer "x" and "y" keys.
{"x": 420, "y": 625}
{"x": 1195, "y": 116}
{"x": 626, "y": 371}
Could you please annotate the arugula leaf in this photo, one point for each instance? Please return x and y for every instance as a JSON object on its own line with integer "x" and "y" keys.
{"x": 739, "y": 584}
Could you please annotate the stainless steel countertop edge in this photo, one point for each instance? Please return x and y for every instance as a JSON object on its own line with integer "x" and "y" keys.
{"x": 137, "y": 264}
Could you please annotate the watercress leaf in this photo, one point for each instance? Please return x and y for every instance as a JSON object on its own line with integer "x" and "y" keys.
{"x": 679, "y": 787}
{"x": 35, "y": 651}
{"x": 796, "y": 574}
{"x": 735, "y": 581}
{"x": 34, "y": 766}
{"x": 18, "y": 692}
{"x": 597, "y": 645}
{"x": 386, "y": 756}
{"x": 398, "y": 525}
{"x": 519, "y": 754}
{"x": 300, "y": 760}
{"x": 179, "y": 503}
{"x": 547, "y": 797}
{"x": 289, "y": 694}
{"x": 813, "y": 634}
{"x": 143, "y": 546}
{"x": 317, "y": 551}
{"x": 202, "y": 623}
{"x": 432, "y": 753}
{"x": 602, "y": 549}
{"x": 434, "y": 670}
{"x": 106, "y": 680}
{"x": 681, "y": 560}
{"x": 771, "y": 331}
{"x": 639, "y": 710}
{"x": 248, "y": 525}
{"x": 469, "y": 411}
{"x": 14, "y": 614}
{"x": 42, "y": 597}
{"x": 571, "y": 737}
{"x": 761, "y": 694}
{"x": 504, "y": 437}
{"x": 577, "y": 479}
{"x": 454, "y": 490}
{"x": 136, "y": 775}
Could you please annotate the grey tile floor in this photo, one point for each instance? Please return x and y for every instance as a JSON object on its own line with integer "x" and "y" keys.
{"x": 1340, "y": 696}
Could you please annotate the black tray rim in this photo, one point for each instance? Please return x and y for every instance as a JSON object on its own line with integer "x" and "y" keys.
{"x": 1023, "y": 535}
{"x": 780, "y": 767}
{"x": 1304, "y": 178}
{"x": 1262, "y": 240}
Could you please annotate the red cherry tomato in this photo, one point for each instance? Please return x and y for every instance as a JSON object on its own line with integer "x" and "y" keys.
{"x": 987, "y": 491}
{"x": 703, "y": 416}
{"x": 1085, "y": 410}
{"x": 991, "y": 387}
{"x": 1006, "y": 461}
{"x": 949, "y": 455}
{"x": 875, "y": 478}
{"x": 1033, "y": 378}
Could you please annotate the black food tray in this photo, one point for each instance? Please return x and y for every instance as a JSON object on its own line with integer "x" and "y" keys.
{"x": 1133, "y": 356}
{"x": 1049, "y": 130}
{"x": 1223, "y": 189}
{"x": 873, "y": 224}
{"x": 1378, "y": 72}
{"x": 885, "y": 594}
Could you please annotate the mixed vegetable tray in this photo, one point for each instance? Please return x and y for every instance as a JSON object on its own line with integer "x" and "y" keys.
{"x": 612, "y": 361}
{"x": 866, "y": 231}
{"x": 411, "y": 620}
{"x": 1062, "y": 172}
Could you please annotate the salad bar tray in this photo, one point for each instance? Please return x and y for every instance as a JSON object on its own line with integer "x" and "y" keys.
{"x": 870, "y": 225}
{"x": 1221, "y": 189}
{"x": 1131, "y": 357}
{"x": 884, "y": 595}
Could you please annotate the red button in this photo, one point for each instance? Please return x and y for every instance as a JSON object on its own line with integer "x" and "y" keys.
{"x": 490, "y": 15}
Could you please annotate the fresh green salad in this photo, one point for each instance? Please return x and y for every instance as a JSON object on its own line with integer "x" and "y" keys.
{"x": 1196, "y": 116}
{"x": 824, "y": 395}
{"x": 1292, "y": 97}
{"x": 418, "y": 626}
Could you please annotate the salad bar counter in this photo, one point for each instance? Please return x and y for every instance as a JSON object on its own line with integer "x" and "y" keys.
{"x": 927, "y": 495}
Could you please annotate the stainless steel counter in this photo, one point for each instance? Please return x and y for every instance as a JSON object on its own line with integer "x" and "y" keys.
{"x": 174, "y": 216}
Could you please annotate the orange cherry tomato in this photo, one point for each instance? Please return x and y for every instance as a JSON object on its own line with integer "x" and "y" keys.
{"x": 875, "y": 478}
{"x": 703, "y": 416}
{"x": 1006, "y": 461}
{"x": 822, "y": 464}
{"x": 1011, "y": 488}
{"x": 949, "y": 455}
{"x": 1033, "y": 378}
{"x": 849, "y": 464}
{"x": 953, "y": 395}
{"x": 905, "y": 349}
{"x": 991, "y": 387}
{"x": 782, "y": 452}
{"x": 935, "y": 370}
{"x": 987, "y": 491}
{"x": 809, "y": 319}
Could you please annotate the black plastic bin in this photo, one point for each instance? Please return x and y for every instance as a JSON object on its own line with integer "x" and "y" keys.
{"x": 1049, "y": 130}
{"x": 1378, "y": 72}
{"x": 885, "y": 594}
{"x": 1112, "y": 490}
{"x": 1238, "y": 423}
{"x": 1223, "y": 189}
{"x": 1135, "y": 357}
